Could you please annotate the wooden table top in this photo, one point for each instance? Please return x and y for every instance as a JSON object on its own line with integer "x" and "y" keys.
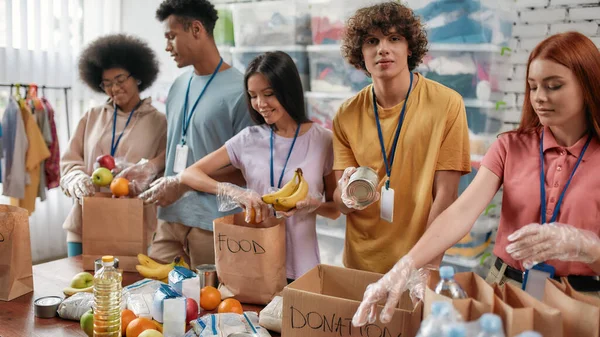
{"x": 17, "y": 318}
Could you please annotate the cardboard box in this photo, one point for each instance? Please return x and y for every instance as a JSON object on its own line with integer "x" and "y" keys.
{"x": 323, "y": 301}
{"x": 113, "y": 226}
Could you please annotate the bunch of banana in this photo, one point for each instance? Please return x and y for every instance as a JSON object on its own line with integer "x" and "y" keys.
{"x": 151, "y": 269}
{"x": 70, "y": 291}
{"x": 286, "y": 198}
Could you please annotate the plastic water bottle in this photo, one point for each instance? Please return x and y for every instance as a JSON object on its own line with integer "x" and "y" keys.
{"x": 107, "y": 300}
{"x": 529, "y": 334}
{"x": 448, "y": 286}
{"x": 491, "y": 326}
{"x": 442, "y": 314}
{"x": 456, "y": 330}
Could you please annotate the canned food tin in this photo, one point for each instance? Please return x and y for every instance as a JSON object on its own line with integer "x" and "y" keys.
{"x": 98, "y": 264}
{"x": 363, "y": 185}
{"x": 241, "y": 334}
{"x": 208, "y": 275}
{"x": 46, "y": 307}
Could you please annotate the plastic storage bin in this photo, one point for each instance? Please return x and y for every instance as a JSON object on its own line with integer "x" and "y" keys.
{"x": 321, "y": 107}
{"x": 329, "y": 71}
{"x": 243, "y": 55}
{"x": 466, "y": 21}
{"x": 271, "y": 23}
{"x": 223, "y": 32}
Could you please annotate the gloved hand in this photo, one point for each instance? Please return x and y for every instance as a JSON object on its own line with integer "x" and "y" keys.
{"x": 537, "y": 243}
{"x": 230, "y": 196}
{"x": 350, "y": 201}
{"x": 165, "y": 191}
{"x": 140, "y": 176}
{"x": 77, "y": 184}
{"x": 310, "y": 204}
{"x": 120, "y": 164}
{"x": 390, "y": 287}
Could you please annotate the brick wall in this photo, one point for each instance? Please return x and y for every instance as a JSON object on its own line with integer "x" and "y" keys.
{"x": 535, "y": 20}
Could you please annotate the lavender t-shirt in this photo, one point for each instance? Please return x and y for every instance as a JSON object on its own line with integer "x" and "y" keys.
{"x": 250, "y": 152}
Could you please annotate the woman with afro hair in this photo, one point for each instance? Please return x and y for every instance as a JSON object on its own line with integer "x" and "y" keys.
{"x": 126, "y": 127}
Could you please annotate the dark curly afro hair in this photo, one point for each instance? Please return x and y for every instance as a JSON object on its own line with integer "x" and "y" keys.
{"x": 189, "y": 10}
{"x": 118, "y": 51}
{"x": 384, "y": 17}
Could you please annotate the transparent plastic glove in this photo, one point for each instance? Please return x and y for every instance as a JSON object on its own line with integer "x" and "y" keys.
{"x": 310, "y": 204}
{"x": 537, "y": 243}
{"x": 350, "y": 201}
{"x": 230, "y": 196}
{"x": 165, "y": 191}
{"x": 121, "y": 164}
{"x": 140, "y": 176}
{"x": 390, "y": 287}
{"x": 77, "y": 185}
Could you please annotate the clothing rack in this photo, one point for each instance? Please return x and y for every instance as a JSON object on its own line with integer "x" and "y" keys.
{"x": 42, "y": 87}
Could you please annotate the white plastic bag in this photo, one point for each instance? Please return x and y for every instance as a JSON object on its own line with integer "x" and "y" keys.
{"x": 75, "y": 306}
{"x": 271, "y": 316}
{"x": 225, "y": 324}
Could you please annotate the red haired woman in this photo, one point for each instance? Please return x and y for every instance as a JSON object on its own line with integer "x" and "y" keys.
{"x": 547, "y": 168}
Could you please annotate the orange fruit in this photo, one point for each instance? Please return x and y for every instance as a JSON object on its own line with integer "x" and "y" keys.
{"x": 230, "y": 305}
{"x": 210, "y": 297}
{"x": 119, "y": 187}
{"x": 139, "y": 325}
{"x": 126, "y": 317}
{"x": 252, "y": 217}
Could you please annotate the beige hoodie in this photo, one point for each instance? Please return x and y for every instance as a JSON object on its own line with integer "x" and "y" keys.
{"x": 145, "y": 137}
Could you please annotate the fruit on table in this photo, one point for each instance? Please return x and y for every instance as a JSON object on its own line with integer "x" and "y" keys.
{"x": 293, "y": 191}
{"x": 82, "y": 280}
{"x": 139, "y": 325}
{"x": 127, "y": 316}
{"x": 191, "y": 310}
{"x": 119, "y": 187}
{"x": 210, "y": 298}
{"x": 151, "y": 269}
{"x": 230, "y": 305}
{"x": 87, "y": 323}
{"x": 102, "y": 176}
{"x": 150, "y": 333}
{"x": 107, "y": 161}
{"x": 70, "y": 291}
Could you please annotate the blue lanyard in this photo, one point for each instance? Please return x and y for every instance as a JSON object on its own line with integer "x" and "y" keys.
{"x": 388, "y": 165}
{"x": 286, "y": 160}
{"x": 186, "y": 120}
{"x": 543, "y": 180}
{"x": 113, "y": 145}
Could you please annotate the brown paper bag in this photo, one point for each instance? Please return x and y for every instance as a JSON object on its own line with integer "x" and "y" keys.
{"x": 250, "y": 260}
{"x": 113, "y": 226}
{"x": 16, "y": 274}
{"x": 579, "y": 295}
{"x": 481, "y": 294}
{"x": 579, "y": 318}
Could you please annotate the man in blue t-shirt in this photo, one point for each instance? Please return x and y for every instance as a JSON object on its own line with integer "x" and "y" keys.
{"x": 206, "y": 106}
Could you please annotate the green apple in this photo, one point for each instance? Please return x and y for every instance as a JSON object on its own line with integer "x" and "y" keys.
{"x": 82, "y": 280}
{"x": 87, "y": 323}
{"x": 102, "y": 176}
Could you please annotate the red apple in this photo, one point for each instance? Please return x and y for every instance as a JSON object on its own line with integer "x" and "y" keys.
{"x": 106, "y": 161}
{"x": 191, "y": 310}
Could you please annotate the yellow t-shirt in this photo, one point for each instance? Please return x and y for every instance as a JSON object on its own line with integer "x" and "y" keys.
{"x": 434, "y": 137}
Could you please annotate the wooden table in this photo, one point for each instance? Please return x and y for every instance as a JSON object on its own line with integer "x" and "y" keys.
{"x": 17, "y": 318}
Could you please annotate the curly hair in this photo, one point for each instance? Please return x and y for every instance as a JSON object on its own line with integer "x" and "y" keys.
{"x": 189, "y": 10}
{"x": 118, "y": 51}
{"x": 384, "y": 17}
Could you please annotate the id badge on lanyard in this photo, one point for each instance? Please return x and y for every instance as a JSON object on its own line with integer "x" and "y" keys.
{"x": 181, "y": 154}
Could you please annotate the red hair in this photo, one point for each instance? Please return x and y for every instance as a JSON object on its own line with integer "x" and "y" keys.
{"x": 578, "y": 53}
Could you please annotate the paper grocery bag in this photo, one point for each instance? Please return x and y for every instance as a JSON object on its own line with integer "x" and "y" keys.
{"x": 16, "y": 274}
{"x": 579, "y": 318}
{"x": 250, "y": 260}
{"x": 113, "y": 226}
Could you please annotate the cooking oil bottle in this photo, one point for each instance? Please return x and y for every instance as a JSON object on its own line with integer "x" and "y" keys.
{"x": 107, "y": 300}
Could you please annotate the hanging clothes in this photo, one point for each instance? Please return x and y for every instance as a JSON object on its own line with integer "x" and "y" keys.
{"x": 41, "y": 118}
{"x": 37, "y": 152}
{"x": 16, "y": 144}
{"x": 52, "y": 164}
{"x": 1, "y": 152}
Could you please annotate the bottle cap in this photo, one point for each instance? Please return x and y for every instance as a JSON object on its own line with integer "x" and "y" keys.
{"x": 108, "y": 258}
{"x": 490, "y": 323}
{"x": 446, "y": 272}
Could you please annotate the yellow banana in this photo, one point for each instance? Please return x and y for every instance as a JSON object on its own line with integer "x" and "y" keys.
{"x": 300, "y": 193}
{"x": 285, "y": 191}
{"x": 182, "y": 263}
{"x": 147, "y": 261}
{"x": 159, "y": 271}
{"x": 69, "y": 291}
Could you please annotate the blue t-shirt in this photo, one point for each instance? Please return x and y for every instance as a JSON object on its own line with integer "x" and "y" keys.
{"x": 221, "y": 113}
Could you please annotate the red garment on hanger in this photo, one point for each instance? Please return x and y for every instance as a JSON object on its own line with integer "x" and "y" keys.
{"x": 52, "y": 164}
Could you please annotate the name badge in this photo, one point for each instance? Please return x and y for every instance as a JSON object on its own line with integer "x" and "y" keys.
{"x": 387, "y": 204}
{"x": 181, "y": 154}
{"x": 534, "y": 279}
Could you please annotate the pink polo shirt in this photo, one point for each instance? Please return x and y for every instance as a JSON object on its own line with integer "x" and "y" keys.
{"x": 515, "y": 158}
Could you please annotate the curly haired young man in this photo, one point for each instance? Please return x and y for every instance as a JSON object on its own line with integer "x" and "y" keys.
{"x": 415, "y": 137}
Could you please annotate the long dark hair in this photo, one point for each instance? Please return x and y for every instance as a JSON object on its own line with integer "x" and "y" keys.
{"x": 282, "y": 74}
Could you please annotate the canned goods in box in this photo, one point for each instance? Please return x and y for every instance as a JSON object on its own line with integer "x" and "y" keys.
{"x": 363, "y": 185}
